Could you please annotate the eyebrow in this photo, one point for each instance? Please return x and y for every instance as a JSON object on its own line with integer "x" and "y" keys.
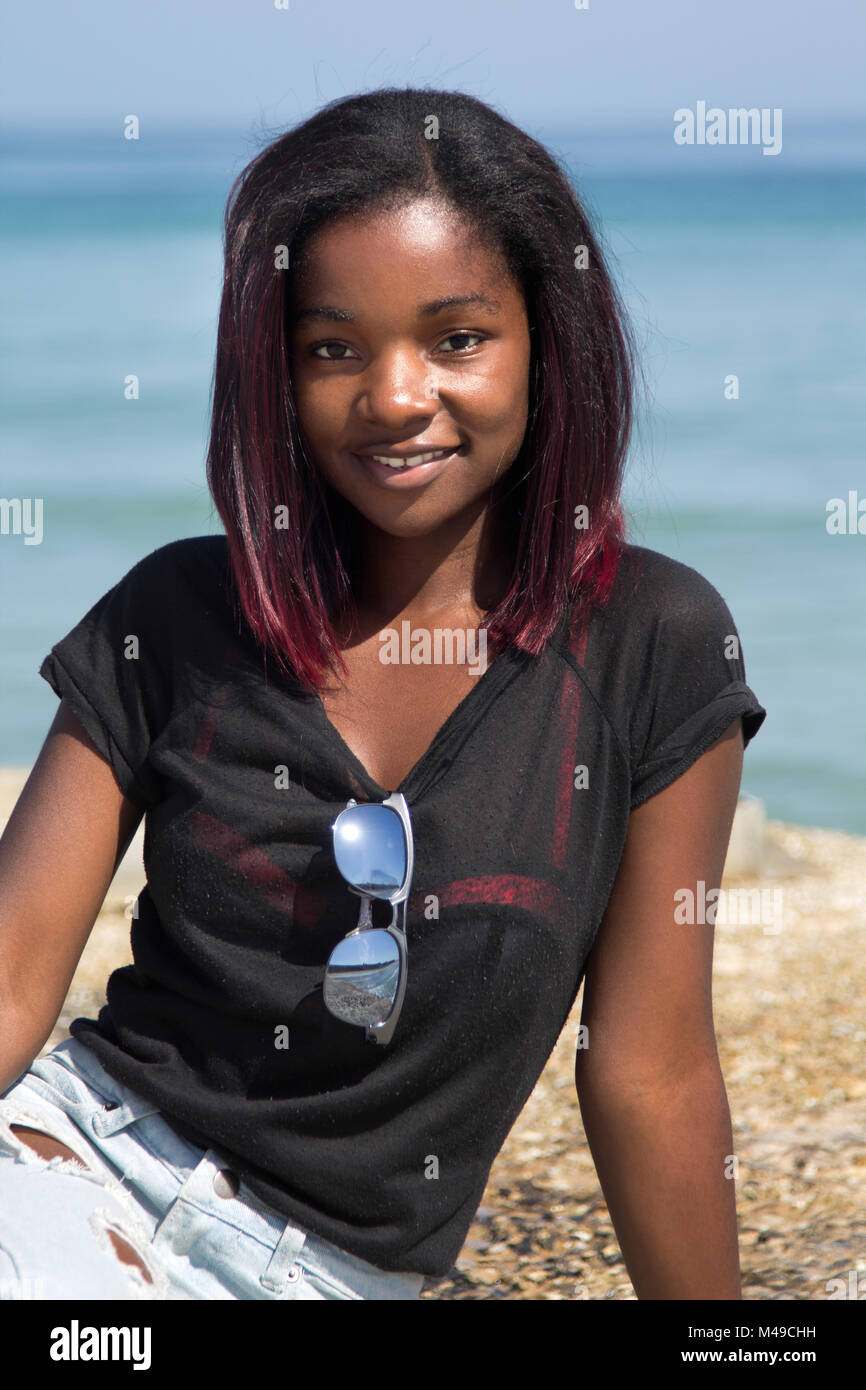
{"x": 434, "y": 306}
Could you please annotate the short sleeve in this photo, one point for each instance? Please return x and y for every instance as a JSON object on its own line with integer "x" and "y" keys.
{"x": 110, "y": 669}
{"x": 693, "y": 684}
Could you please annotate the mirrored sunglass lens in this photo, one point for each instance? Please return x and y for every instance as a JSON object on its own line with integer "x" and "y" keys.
{"x": 370, "y": 848}
{"x": 362, "y": 977}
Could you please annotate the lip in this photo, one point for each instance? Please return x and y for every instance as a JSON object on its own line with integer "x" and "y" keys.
{"x": 406, "y": 477}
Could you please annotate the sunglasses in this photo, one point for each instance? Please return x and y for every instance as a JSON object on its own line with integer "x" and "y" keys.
{"x": 365, "y": 978}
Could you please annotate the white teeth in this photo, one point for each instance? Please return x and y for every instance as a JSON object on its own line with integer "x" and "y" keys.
{"x": 413, "y": 460}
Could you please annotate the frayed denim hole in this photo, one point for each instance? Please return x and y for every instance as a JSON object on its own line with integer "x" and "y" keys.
{"x": 103, "y": 1222}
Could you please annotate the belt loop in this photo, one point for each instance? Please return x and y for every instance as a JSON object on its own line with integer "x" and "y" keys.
{"x": 105, "y": 1121}
{"x": 289, "y": 1246}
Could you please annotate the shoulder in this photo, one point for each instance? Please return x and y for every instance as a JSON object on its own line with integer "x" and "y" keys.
{"x": 169, "y": 582}
{"x": 651, "y": 587}
{"x": 190, "y": 558}
{"x": 661, "y": 648}
{"x": 654, "y": 600}
{"x": 175, "y": 599}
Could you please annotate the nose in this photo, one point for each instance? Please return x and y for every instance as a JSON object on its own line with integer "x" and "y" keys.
{"x": 399, "y": 386}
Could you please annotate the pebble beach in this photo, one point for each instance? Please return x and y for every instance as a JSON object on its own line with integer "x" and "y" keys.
{"x": 790, "y": 1026}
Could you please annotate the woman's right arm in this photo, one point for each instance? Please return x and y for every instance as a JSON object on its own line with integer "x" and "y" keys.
{"x": 68, "y": 831}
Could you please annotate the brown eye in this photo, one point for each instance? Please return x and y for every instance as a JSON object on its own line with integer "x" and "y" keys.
{"x": 464, "y": 334}
{"x": 316, "y": 351}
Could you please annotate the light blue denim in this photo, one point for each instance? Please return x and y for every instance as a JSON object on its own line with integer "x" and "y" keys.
{"x": 196, "y": 1226}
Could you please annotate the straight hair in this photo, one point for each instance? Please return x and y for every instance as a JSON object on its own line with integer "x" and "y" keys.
{"x": 292, "y": 538}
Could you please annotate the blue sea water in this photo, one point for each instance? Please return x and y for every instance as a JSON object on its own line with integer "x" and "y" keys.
{"x": 111, "y": 257}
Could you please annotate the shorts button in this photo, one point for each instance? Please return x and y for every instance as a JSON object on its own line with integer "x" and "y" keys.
{"x": 226, "y": 1183}
{"x": 294, "y": 1273}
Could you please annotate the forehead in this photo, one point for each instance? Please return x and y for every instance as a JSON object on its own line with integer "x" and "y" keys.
{"x": 424, "y": 249}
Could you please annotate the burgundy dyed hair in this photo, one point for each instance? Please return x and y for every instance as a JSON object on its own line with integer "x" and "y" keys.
{"x": 364, "y": 153}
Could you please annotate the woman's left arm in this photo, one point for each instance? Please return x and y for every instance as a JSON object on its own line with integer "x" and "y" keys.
{"x": 649, "y": 1083}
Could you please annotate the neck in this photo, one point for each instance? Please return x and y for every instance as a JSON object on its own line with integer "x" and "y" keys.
{"x": 464, "y": 567}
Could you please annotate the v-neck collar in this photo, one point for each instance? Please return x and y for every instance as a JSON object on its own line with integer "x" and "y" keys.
{"x": 449, "y": 736}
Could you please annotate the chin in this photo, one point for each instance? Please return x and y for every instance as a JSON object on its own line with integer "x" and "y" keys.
{"x": 414, "y": 519}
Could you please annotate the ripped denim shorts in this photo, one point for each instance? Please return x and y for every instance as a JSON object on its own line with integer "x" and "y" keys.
{"x": 192, "y": 1223}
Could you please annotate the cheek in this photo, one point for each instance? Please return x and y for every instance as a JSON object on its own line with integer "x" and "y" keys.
{"x": 316, "y": 403}
{"x": 498, "y": 400}
{"x": 504, "y": 396}
{"x": 503, "y": 413}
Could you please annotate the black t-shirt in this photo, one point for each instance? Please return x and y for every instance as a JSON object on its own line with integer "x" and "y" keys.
{"x": 383, "y": 1150}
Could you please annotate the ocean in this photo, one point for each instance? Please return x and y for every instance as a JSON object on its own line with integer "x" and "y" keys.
{"x": 746, "y": 267}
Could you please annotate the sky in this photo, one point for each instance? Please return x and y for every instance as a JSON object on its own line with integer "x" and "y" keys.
{"x": 615, "y": 63}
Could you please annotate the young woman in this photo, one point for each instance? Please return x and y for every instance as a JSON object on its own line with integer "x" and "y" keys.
{"x": 424, "y": 597}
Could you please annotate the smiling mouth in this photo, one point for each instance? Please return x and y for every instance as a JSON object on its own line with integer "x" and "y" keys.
{"x": 413, "y": 460}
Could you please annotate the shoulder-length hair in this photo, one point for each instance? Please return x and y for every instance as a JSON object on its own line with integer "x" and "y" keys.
{"x": 291, "y": 537}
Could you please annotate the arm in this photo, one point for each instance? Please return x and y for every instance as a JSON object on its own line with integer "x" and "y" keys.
{"x": 649, "y": 1082}
{"x": 69, "y": 829}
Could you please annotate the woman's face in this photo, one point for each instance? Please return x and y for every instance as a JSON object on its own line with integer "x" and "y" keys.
{"x": 383, "y": 363}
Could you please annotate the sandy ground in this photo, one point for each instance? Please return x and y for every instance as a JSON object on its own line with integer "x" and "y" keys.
{"x": 791, "y": 1026}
